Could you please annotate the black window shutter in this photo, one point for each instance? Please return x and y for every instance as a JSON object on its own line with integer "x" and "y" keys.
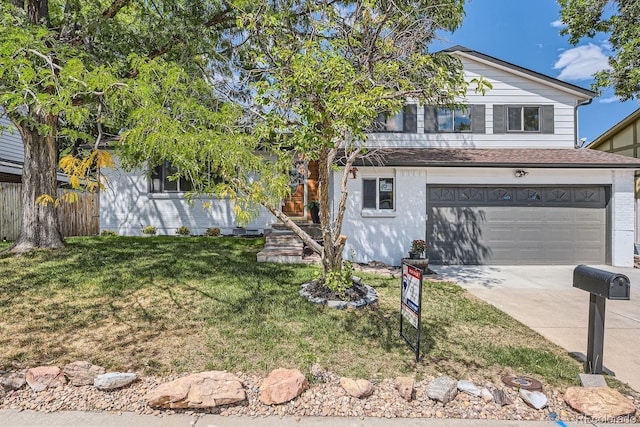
{"x": 430, "y": 120}
{"x": 478, "y": 119}
{"x": 410, "y": 124}
{"x": 499, "y": 122}
{"x": 547, "y": 119}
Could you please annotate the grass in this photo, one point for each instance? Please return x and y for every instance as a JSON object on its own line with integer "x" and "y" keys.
{"x": 163, "y": 304}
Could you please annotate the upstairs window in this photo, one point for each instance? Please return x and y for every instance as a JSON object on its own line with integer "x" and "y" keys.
{"x": 378, "y": 193}
{"x": 523, "y": 119}
{"x": 160, "y": 182}
{"x": 462, "y": 119}
{"x": 406, "y": 121}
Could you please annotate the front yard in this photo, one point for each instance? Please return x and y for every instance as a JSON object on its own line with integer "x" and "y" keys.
{"x": 167, "y": 305}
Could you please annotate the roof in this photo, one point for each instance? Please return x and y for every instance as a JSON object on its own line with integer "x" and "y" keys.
{"x": 498, "y": 157}
{"x": 486, "y": 58}
{"x": 615, "y": 129}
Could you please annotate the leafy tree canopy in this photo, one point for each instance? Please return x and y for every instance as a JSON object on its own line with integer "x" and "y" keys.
{"x": 619, "y": 19}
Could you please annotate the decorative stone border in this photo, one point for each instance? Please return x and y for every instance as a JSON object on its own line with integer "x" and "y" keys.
{"x": 370, "y": 298}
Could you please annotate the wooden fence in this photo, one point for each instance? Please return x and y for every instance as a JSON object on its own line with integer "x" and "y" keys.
{"x": 81, "y": 218}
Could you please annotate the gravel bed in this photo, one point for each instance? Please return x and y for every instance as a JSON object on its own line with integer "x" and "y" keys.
{"x": 320, "y": 399}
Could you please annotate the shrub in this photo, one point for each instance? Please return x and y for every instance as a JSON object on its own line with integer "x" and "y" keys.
{"x": 212, "y": 232}
{"x": 107, "y": 233}
{"x": 183, "y": 231}
{"x": 149, "y": 230}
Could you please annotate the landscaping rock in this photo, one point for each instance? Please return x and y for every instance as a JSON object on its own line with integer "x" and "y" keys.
{"x": 501, "y": 398}
{"x": 535, "y": 399}
{"x": 468, "y": 387}
{"x": 12, "y": 381}
{"x": 202, "y": 390}
{"x": 442, "y": 389}
{"x": 282, "y": 385}
{"x": 405, "y": 385}
{"x": 486, "y": 395}
{"x": 357, "y": 387}
{"x": 599, "y": 402}
{"x": 43, "y": 377}
{"x": 114, "y": 380}
{"x": 592, "y": 380}
{"x": 82, "y": 373}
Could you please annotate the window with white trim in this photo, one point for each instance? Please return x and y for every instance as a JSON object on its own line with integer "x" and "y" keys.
{"x": 523, "y": 119}
{"x": 161, "y": 182}
{"x": 378, "y": 193}
{"x": 405, "y": 121}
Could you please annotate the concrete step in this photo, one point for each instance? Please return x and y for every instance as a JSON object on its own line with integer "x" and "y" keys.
{"x": 281, "y": 246}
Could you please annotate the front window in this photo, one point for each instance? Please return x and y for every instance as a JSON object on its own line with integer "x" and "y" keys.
{"x": 161, "y": 182}
{"x": 523, "y": 119}
{"x": 404, "y": 121}
{"x": 378, "y": 193}
{"x": 454, "y": 119}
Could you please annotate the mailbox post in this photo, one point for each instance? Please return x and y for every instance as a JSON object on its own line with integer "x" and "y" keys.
{"x": 601, "y": 285}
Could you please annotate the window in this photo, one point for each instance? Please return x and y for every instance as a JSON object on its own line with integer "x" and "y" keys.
{"x": 160, "y": 182}
{"x": 405, "y": 121}
{"x": 378, "y": 193}
{"x": 523, "y": 119}
{"x": 462, "y": 119}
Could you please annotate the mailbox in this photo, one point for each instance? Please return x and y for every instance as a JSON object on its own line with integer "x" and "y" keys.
{"x": 602, "y": 283}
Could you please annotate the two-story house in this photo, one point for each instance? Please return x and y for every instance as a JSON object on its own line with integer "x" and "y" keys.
{"x": 497, "y": 180}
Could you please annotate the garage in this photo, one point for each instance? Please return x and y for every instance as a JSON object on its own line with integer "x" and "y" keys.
{"x": 505, "y": 225}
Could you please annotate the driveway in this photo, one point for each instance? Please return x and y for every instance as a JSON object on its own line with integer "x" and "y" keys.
{"x": 543, "y": 298}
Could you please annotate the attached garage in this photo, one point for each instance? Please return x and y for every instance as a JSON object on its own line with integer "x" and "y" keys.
{"x": 505, "y": 225}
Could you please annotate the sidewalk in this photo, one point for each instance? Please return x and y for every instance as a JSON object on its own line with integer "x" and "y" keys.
{"x": 11, "y": 418}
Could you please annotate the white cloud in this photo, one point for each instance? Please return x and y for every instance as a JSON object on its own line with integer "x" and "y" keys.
{"x": 609, "y": 100}
{"x": 581, "y": 63}
{"x": 558, "y": 24}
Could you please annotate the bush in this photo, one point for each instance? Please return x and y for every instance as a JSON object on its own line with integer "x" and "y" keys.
{"x": 183, "y": 231}
{"x": 212, "y": 232}
{"x": 108, "y": 233}
{"x": 149, "y": 230}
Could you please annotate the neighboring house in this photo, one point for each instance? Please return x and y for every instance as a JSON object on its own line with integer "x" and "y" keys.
{"x": 495, "y": 182}
{"x": 11, "y": 152}
{"x": 624, "y": 139}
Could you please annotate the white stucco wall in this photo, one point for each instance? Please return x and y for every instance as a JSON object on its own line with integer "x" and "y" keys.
{"x": 126, "y": 206}
{"x": 386, "y": 236}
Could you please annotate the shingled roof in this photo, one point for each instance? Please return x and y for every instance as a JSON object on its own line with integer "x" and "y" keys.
{"x": 499, "y": 157}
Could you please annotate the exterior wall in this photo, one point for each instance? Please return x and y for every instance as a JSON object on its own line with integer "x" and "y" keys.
{"x": 127, "y": 206}
{"x": 508, "y": 88}
{"x": 11, "y": 151}
{"x": 386, "y": 236}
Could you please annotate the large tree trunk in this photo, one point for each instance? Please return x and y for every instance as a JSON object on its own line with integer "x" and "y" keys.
{"x": 333, "y": 245}
{"x": 39, "y": 221}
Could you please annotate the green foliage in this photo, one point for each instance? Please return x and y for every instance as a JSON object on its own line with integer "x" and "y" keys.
{"x": 183, "y": 230}
{"x": 108, "y": 233}
{"x": 149, "y": 230}
{"x": 619, "y": 20}
{"x": 212, "y": 232}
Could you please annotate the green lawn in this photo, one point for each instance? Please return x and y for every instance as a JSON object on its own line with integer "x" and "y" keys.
{"x": 169, "y": 304}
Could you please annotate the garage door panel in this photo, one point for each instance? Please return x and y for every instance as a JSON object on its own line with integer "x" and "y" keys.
{"x": 510, "y": 232}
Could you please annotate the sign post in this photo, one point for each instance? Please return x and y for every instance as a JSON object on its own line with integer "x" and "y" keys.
{"x": 410, "y": 304}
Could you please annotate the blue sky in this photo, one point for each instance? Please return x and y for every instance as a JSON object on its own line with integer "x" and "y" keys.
{"x": 527, "y": 33}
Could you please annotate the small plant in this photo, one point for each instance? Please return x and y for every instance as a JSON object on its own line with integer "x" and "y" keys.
{"x": 313, "y": 204}
{"x": 109, "y": 233}
{"x": 212, "y": 232}
{"x": 183, "y": 231}
{"x": 419, "y": 246}
{"x": 149, "y": 230}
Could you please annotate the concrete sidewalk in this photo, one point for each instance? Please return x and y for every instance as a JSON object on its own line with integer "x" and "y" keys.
{"x": 543, "y": 298}
{"x": 10, "y": 418}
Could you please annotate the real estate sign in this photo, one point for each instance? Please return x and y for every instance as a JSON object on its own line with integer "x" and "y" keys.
{"x": 410, "y": 301}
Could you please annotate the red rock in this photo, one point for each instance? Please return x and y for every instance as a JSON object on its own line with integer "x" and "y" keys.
{"x": 82, "y": 373}
{"x": 282, "y": 385}
{"x": 45, "y": 376}
{"x": 357, "y": 387}
{"x": 202, "y": 390}
{"x": 404, "y": 385}
{"x": 599, "y": 402}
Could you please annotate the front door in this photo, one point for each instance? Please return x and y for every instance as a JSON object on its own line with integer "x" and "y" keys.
{"x": 304, "y": 189}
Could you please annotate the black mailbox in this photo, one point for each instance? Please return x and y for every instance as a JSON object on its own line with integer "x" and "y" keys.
{"x": 602, "y": 283}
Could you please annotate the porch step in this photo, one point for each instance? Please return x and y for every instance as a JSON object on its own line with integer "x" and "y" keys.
{"x": 281, "y": 246}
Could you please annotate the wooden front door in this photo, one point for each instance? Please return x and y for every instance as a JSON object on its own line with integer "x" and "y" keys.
{"x": 294, "y": 206}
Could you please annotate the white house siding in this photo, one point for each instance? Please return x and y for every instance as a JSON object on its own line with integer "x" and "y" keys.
{"x": 508, "y": 88}
{"x": 387, "y": 238}
{"x": 126, "y": 206}
{"x": 11, "y": 148}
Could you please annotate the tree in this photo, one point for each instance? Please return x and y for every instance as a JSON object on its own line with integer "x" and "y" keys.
{"x": 61, "y": 62}
{"x": 619, "y": 19}
{"x": 318, "y": 74}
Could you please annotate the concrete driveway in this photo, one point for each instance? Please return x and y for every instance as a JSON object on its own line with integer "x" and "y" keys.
{"x": 542, "y": 297}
